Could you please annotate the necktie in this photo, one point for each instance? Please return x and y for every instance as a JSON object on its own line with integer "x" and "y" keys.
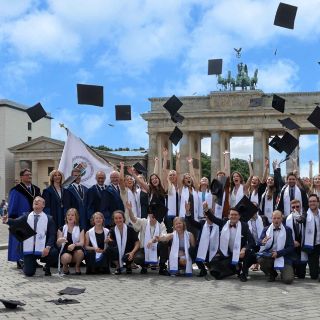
{"x": 232, "y": 226}
{"x": 210, "y": 229}
{"x": 291, "y": 193}
{"x": 80, "y": 191}
{"x": 29, "y": 188}
{"x": 276, "y": 229}
{"x": 35, "y": 223}
{"x": 254, "y": 230}
{"x": 102, "y": 188}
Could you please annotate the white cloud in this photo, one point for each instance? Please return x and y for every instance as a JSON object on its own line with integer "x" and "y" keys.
{"x": 304, "y": 169}
{"x": 308, "y": 141}
{"x": 241, "y": 147}
{"x": 14, "y": 8}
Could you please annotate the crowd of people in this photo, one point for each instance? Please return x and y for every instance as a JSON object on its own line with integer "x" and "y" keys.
{"x": 169, "y": 222}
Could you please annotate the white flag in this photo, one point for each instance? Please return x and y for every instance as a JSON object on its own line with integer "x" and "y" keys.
{"x": 77, "y": 154}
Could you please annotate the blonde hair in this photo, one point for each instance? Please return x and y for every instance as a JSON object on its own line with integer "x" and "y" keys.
{"x": 76, "y": 214}
{"x": 52, "y": 173}
{"x": 94, "y": 215}
{"x": 176, "y": 219}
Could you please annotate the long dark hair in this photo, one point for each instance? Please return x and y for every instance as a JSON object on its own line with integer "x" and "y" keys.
{"x": 157, "y": 190}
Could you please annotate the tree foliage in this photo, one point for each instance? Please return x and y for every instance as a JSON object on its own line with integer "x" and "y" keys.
{"x": 241, "y": 166}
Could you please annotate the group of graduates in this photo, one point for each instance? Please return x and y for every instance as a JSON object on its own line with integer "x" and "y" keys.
{"x": 169, "y": 222}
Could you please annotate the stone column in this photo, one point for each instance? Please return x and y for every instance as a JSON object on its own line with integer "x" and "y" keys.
{"x": 152, "y": 151}
{"x": 215, "y": 153}
{"x": 56, "y": 164}
{"x": 17, "y": 170}
{"x": 294, "y": 154}
{"x": 258, "y": 152}
{"x": 195, "y": 152}
{"x": 224, "y": 146}
{"x": 163, "y": 142}
{"x": 35, "y": 172}
{"x": 184, "y": 152}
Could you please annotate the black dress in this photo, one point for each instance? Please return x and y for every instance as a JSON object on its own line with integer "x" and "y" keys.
{"x": 69, "y": 241}
{"x": 91, "y": 261}
{"x": 144, "y": 204}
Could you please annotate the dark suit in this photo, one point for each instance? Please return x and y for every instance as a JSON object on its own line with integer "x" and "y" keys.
{"x": 221, "y": 266}
{"x": 94, "y": 197}
{"x": 110, "y": 201}
{"x": 29, "y": 260}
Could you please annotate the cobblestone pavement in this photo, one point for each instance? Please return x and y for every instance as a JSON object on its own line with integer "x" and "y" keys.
{"x": 3, "y": 234}
{"x": 156, "y": 297}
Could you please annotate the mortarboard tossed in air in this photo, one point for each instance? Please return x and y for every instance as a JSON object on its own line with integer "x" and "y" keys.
{"x": 278, "y": 103}
{"x": 123, "y": 112}
{"x": 288, "y": 143}
{"x": 289, "y": 124}
{"x": 176, "y": 136}
{"x": 255, "y": 102}
{"x": 172, "y": 106}
{"x": 72, "y": 291}
{"x": 21, "y": 230}
{"x": 177, "y": 118}
{"x": 214, "y": 66}
{"x": 217, "y": 188}
{"x": 246, "y": 209}
{"x": 285, "y": 16}
{"x": 314, "y": 117}
{"x": 140, "y": 168}
{"x": 64, "y": 301}
{"x": 159, "y": 211}
{"x": 36, "y": 112}
{"x": 90, "y": 94}
{"x": 12, "y": 304}
{"x": 275, "y": 143}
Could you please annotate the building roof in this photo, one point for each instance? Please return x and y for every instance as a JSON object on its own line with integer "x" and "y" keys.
{"x": 17, "y": 106}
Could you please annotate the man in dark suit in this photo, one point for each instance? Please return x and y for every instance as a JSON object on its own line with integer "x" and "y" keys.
{"x": 277, "y": 250}
{"x": 110, "y": 200}
{"x": 95, "y": 194}
{"x": 290, "y": 192}
{"x": 236, "y": 252}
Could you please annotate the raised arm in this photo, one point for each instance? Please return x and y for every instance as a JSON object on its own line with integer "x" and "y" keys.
{"x": 266, "y": 170}
{"x": 121, "y": 179}
{"x": 139, "y": 180}
{"x": 131, "y": 215}
{"x": 156, "y": 166}
{"x": 248, "y": 183}
{"x": 192, "y": 174}
{"x": 178, "y": 170}
{"x": 165, "y": 171}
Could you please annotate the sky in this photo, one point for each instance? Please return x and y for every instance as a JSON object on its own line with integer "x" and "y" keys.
{"x": 148, "y": 48}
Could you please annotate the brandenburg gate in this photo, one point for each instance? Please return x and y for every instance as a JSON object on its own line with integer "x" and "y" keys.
{"x": 225, "y": 114}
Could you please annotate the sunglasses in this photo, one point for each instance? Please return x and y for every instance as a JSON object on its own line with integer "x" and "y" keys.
{"x": 295, "y": 207}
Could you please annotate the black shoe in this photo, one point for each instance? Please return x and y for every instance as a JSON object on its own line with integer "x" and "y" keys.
{"x": 20, "y": 264}
{"x": 243, "y": 277}
{"x": 216, "y": 275}
{"x": 117, "y": 272}
{"x": 203, "y": 273}
{"x": 128, "y": 271}
{"x": 47, "y": 271}
{"x": 144, "y": 271}
{"x": 272, "y": 276}
{"x": 105, "y": 270}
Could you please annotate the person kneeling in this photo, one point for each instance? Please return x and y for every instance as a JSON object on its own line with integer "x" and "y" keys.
{"x": 276, "y": 251}
{"x": 95, "y": 244}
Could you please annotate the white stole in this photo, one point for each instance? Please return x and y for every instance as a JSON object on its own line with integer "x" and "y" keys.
{"x": 236, "y": 197}
{"x": 310, "y": 230}
{"x": 268, "y": 206}
{"x": 174, "y": 254}
{"x": 40, "y": 237}
{"x": 121, "y": 242}
{"x": 184, "y": 199}
{"x": 208, "y": 241}
{"x": 171, "y": 203}
{"x": 281, "y": 241}
{"x": 207, "y": 199}
{"x": 286, "y": 199}
{"x": 93, "y": 240}
{"x": 75, "y": 233}
{"x": 259, "y": 225}
{"x": 133, "y": 200}
{"x": 224, "y": 241}
{"x": 151, "y": 254}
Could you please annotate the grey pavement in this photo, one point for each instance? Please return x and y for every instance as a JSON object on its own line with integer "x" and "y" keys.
{"x": 3, "y": 235}
{"x": 156, "y": 297}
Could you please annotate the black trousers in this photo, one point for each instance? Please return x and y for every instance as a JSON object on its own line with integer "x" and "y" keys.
{"x": 313, "y": 262}
{"x": 162, "y": 251}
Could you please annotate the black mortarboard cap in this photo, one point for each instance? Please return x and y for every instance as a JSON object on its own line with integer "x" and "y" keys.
{"x": 217, "y": 188}
{"x": 314, "y": 117}
{"x": 90, "y": 94}
{"x": 177, "y": 118}
{"x": 255, "y": 102}
{"x": 36, "y": 112}
{"x": 123, "y": 112}
{"x": 288, "y": 143}
{"x": 72, "y": 291}
{"x": 275, "y": 143}
{"x": 285, "y": 16}
{"x": 159, "y": 211}
{"x": 63, "y": 301}
{"x": 21, "y": 230}
{"x": 246, "y": 209}
{"x": 214, "y": 66}
{"x": 173, "y": 105}
{"x": 140, "y": 168}
{"x": 278, "y": 103}
{"x": 176, "y": 136}
{"x": 12, "y": 304}
{"x": 289, "y": 124}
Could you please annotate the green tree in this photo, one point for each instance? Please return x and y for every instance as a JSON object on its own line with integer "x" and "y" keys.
{"x": 205, "y": 166}
{"x": 241, "y": 166}
{"x": 102, "y": 147}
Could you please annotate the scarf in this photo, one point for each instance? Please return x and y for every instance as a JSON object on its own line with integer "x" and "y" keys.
{"x": 185, "y": 198}
{"x": 208, "y": 241}
{"x": 218, "y": 210}
{"x": 93, "y": 240}
{"x": 224, "y": 241}
{"x": 171, "y": 202}
{"x": 206, "y": 198}
{"x": 281, "y": 241}
{"x": 310, "y": 230}
{"x": 151, "y": 254}
{"x": 259, "y": 226}
{"x": 286, "y": 199}
{"x": 35, "y": 245}
{"x": 121, "y": 242}
{"x": 254, "y": 197}
{"x": 174, "y": 254}
{"x": 236, "y": 197}
{"x": 267, "y": 206}
{"x": 132, "y": 198}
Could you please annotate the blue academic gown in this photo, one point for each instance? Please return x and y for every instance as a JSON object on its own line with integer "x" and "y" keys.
{"x": 56, "y": 206}
{"x": 20, "y": 203}
{"x": 80, "y": 203}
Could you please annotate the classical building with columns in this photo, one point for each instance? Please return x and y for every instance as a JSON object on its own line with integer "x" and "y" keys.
{"x": 225, "y": 114}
